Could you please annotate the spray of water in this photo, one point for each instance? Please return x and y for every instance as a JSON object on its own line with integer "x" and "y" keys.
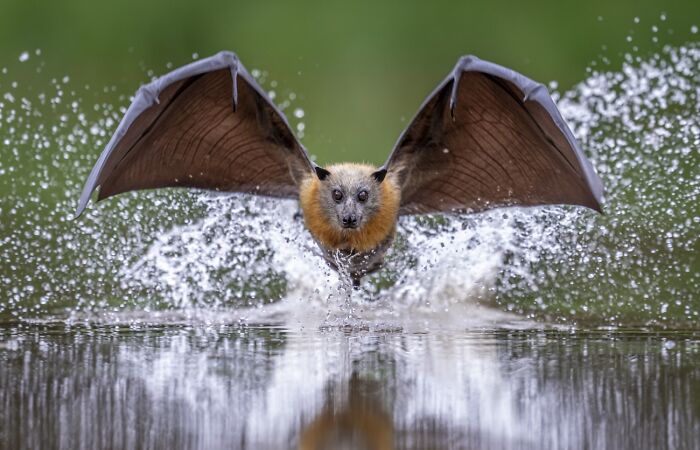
{"x": 639, "y": 263}
{"x": 436, "y": 271}
{"x": 236, "y": 257}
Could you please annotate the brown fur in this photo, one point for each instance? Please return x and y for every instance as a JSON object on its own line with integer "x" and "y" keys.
{"x": 371, "y": 234}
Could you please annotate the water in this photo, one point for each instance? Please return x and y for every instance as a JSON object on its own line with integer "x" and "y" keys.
{"x": 268, "y": 387}
{"x": 178, "y": 319}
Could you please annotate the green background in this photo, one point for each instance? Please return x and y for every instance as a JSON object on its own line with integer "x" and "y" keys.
{"x": 361, "y": 68}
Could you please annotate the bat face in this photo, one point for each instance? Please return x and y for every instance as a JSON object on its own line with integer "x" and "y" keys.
{"x": 350, "y": 206}
{"x": 350, "y": 196}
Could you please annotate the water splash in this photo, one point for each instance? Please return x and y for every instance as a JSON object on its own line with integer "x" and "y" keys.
{"x": 434, "y": 270}
{"x": 640, "y": 262}
{"x": 177, "y": 255}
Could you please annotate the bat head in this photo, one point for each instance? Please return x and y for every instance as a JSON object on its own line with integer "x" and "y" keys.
{"x": 350, "y": 194}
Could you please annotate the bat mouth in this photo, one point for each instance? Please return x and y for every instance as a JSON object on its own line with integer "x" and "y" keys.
{"x": 350, "y": 226}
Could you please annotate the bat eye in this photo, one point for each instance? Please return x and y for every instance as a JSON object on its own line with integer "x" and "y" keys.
{"x": 337, "y": 195}
{"x": 362, "y": 196}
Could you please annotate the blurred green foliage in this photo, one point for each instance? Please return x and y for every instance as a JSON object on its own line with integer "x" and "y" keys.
{"x": 360, "y": 68}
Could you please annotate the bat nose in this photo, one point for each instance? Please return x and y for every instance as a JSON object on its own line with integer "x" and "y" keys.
{"x": 350, "y": 221}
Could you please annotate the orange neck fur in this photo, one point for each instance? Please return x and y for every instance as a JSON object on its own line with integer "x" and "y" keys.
{"x": 324, "y": 229}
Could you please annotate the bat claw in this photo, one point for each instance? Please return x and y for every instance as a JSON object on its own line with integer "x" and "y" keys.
{"x": 149, "y": 92}
{"x": 454, "y": 93}
{"x": 231, "y": 60}
{"x": 463, "y": 64}
{"x": 536, "y": 89}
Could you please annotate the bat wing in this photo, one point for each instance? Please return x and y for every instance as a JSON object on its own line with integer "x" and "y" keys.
{"x": 488, "y": 137}
{"x": 205, "y": 125}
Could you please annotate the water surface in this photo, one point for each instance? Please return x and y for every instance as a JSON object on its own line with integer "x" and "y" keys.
{"x": 261, "y": 387}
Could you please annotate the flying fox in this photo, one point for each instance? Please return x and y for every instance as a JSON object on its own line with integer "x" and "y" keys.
{"x": 486, "y": 137}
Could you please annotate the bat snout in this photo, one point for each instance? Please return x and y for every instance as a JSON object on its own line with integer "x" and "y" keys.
{"x": 350, "y": 221}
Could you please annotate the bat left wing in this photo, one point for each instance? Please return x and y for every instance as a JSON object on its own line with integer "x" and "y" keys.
{"x": 489, "y": 137}
{"x": 206, "y": 125}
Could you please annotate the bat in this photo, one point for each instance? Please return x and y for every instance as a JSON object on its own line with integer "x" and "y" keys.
{"x": 486, "y": 137}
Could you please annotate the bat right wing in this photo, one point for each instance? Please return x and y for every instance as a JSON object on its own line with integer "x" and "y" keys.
{"x": 488, "y": 137}
{"x": 205, "y": 125}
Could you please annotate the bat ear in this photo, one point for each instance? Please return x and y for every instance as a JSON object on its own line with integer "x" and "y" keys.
{"x": 379, "y": 175}
{"x": 321, "y": 173}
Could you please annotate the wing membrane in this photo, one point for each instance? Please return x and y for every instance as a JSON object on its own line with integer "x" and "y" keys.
{"x": 490, "y": 137}
{"x": 206, "y": 125}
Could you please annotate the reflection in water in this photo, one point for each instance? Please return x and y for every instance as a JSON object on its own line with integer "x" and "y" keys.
{"x": 356, "y": 422}
{"x": 266, "y": 387}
